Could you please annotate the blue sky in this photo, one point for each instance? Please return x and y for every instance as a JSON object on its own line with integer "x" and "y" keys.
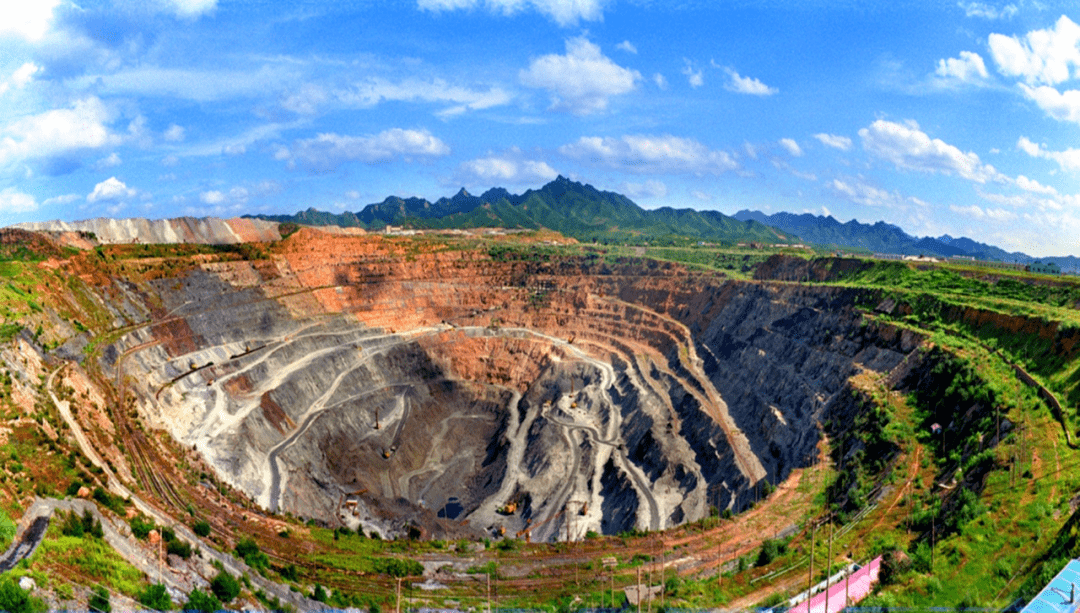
{"x": 942, "y": 117}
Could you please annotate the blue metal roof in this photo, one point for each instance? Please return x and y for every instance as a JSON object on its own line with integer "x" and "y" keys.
{"x": 1061, "y": 595}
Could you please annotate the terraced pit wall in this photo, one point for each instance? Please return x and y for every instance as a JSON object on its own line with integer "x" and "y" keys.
{"x": 382, "y": 384}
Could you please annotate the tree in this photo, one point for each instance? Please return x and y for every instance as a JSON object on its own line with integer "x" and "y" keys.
{"x": 225, "y": 587}
{"x": 199, "y": 600}
{"x": 99, "y": 600}
{"x": 14, "y": 599}
{"x": 249, "y": 551}
{"x": 201, "y": 528}
{"x": 156, "y": 597}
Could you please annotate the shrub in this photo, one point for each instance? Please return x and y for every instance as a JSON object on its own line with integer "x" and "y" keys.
{"x": 140, "y": 527}
{"x": 248, "y": 550}
{"x": 156, "y": 597}
{"x": 201, "y": 528}
{"x": 107, "y": 500}
{"x": 770, "y": 550}
{"x": 398, "y": 567}
{"x": 289, "y": 573}
{"x": 319, "y": 595}
{"x": 7, "y": 530}
{"x": 180, "y": 548}
{"x": 99, "y": 600}
{"x": 14, "y": 599}
{"x": 225, "y": 587}
{"x": 168, "y": 534}
{"x": 74, "y": 525}
{"x": 199, "y": 600}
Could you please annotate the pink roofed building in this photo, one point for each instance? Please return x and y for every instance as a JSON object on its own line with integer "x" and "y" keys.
{"x": 845, "y": 592}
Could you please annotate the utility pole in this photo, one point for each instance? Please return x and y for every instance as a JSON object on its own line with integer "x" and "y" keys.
{"x": 810, "y": 579}
{"x": 828, "y": 567}
{"x": 663, "y": 575}
{"x": 637, "y": 589}
{"x": 488, "y": 575}
{"x": 847, "y": 582}
{"x": 933, "y": 539}
{"x": 719, "y": 564}
{"x": 397, "y": 607}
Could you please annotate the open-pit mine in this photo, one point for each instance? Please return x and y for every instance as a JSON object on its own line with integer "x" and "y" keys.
{"x": 506, "y": 387}
{"x": 385, "y": 384}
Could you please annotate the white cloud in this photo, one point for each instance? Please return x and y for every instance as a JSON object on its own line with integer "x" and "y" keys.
{"x": 307, "y": 100}
{"x": 21, "y": 77}
{"x": 747, "y": 85}
{"x": 184, "y": 9}
{"x": 268, "y": 187}
{"x": 791, "y": 146}
{"x": 110, "y": 190}
{"x": 234, "y": 149}
{"x": 1031, "y": 185}
{"x": 189, "y": 8}
{"x": 648, "y": 189}
{"x": 700, "y": 195}
{"x": 1068, "y": 160}
{"x": 859, "y": 192}
{"x": 582, "y": 81}
{"x": 375, "y": 90}
{"x": 1028, "y": 147}
{"x": 213, "y": 197}
{"x": 13, "y": 201}
{"x": 108, "y": 162}
{"x": 238, "y": 195}
{"x": 175, "y": 133}
{"x": 751, "y": 150}
{"x": 327, "y": 151}
{"x": 188, "y": 84}
{"x": 842, "y": 143}
{"x": 985, "y": 11}
{"x": 968, "y": 68}
{"x": 1062, "y": 106}
{"x": 783, "y": 165}
{"x": 650, "y": 154}
{"x": 977, "y": 212}
{"x": 352, "y": 194}
{"x": 28, "y": 20}
{"x": 1042, "y": 57}
{"x": 57, "y": 132}
{"x": 906, "y": 146}
{"x": 563, "y": 12}
{"x": 660, "y": 81}
{"x": 169, "y": 161}
{"x": 627, "y": 46}
{"x": 507, "y": 168}
{"x": 693, "y": 77}
{"x": 64, "y": 199}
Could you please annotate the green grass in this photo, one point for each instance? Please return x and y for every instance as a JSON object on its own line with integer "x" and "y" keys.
{"x": 91, "y": 559}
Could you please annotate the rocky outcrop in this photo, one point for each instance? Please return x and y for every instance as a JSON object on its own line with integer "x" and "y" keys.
{"x": 371, "y": 381}
{"x": 203, "y": 230}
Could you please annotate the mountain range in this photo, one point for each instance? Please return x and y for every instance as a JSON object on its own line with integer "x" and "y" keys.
{"x": 881, "y": 237}
{"x": 574, "y": 209}
{"x": 583, "y": 212}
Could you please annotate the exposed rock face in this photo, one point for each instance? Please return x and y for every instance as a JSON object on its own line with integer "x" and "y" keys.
{"x": 352, "y": 380}
{"x": 204, "y": 230}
